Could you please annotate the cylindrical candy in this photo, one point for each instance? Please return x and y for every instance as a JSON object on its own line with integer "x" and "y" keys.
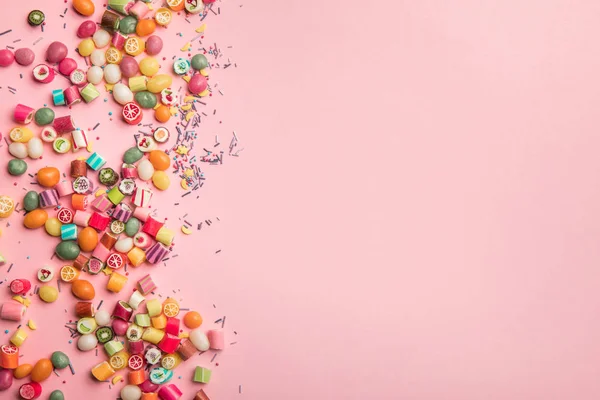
{"x": 159, "y": 322}
{"x": 9, "y": 356}
{"x": 141, "y": 198}
{"x": 58, "y": 97}
{"x": 48, "y": 198}
{"x": 122, "y": 311}
{"x": 136, "y": 256}
{"x": 79, "y": 201}
{"x": 23, "y": 114}
{"x": 110, "y": 21}
{"x": 108, "y": 240}
{"x": 95, "y": 161}
{"x": 82, "y": 185}
{"x": 216, "y": 338}
{"x": 84, "y": 309}
{"x": 153, "y": 335}
{"x": 12, "y": 311}
{"x": 116, "y": 282}
{"x": 78, "y": 168}
{"x": 68, "y": 232}
{"x": 142, "y": 320}
{"x": 165, "y": 236}
{"x": 136, "y": 346}
{"x": 154, "y": 307}
{"x": 186, "y": 349}
{"x": 169, "y": 343}
{"x": 101, "y": 253}
{"x": 30, "y": 391}
{"x": 72, "y": 95}
{"x": 18, "y": 337}
{"x": 129, "y": 171}
{"x": 81, "y": 261}
{"x": 121, "y": 6}
{"x": 148, "y": 386}
{"x": 113, "y": 347}
{"x": 160, "y": 375}
{"x": 122, "y": 213}
{"x": 136, "y": 299}
{"x": 20, "y": 286}
{"x": 115, "y": 196}
{"x": 138, "y": 83}
{"x": 64, "y": 188}
{"x": 103, "y": 371}
{"x": 156, "y": 253}
{"x": 136, "y": 377}
{"x": 139, "y": 10}
{"x": 82, "y": 218}
{"x": 102, "y": 203}
{"x": 172, "y": 326}
{"x": 118, "y": 41}
{"x": 64, "y": 124}
{"x": 79, "y": 139}
{"x": 142, "y": 213}
{"x": 170, "y": 392}
{"x": 89, "y": 93}
{"x": 146, "y": 285}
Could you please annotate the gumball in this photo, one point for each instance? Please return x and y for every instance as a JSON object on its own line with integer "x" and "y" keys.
{"x": 98, "y": 57}
{"x": 101, "y": 38}
{"x": 145, "y": 27}
{"x": 149, "y": 66}
{"x": 131, "y": 392}
{"x": 102, "y": 317}
{"x": 112, "y": 73}
{"x": 129, "y": 67}
{"x": 86, "y": 46}
{"x": 197, "y": 84}
{"x": 122, "y": 94}
{"x": 56, "y": 52}
{"x": 95, "y": 75}
{"x": 66, "y": 66}
{"x": 6, "y": 57}
{"x": 154, "y": 45}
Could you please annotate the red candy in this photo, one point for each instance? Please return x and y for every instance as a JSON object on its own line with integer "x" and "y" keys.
{"x": 20, "y": 286}
{"x": 6, "y": 57}
{"x": 66, "y": 66}
{"x": 86, "y": 29}
{"x": 197, "y": 84}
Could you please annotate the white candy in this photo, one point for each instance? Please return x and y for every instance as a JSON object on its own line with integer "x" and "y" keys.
{"x": 122, "y": 93}
{"x": 35, "y": 148}
{"x": 95, "y": 75}
{"x": 98, "y": 58}
{"x": 199, "y": 339}
{"x": 124, "y": 245}
{"x": 18, "y": 150}
{"x": 136, "y": 299}
{"x": 102, "y": 318}
{"x": 145, "y": 170}
{"x": 112, "y": 73}
{"x": 131, "y": 392}
{"x": 87, "y": 342}
{"x": 101, "y": 38}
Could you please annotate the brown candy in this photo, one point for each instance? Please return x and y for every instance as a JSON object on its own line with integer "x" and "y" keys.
{"x": 81, "y": 261}
{"x": 201, "y": 395}
{"x": 186, "y": 349}
{"x": 108, "y": 240}
{"x": 78, "y": 168}
{"x": 84, "y": 309}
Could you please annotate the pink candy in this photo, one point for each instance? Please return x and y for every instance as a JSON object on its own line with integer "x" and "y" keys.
{"x": 216, "y": 338}
{"x": 197, "y": 84}
{"x": 24, "y": 56}
{"x": 86, "y": 29}
{"x": 67, "y": 66}
{"x": 56, "y": 52}
{"x": 12, "y": 311}
{"x": 154, "y": 45}
{"x": 6, "y": 57}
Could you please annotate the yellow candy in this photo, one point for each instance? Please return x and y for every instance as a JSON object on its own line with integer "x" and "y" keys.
{"x": 159, "y": 322}
{"x": 204, "y": 71}
{"x": 154, "y": 307}
{"x": 48, "y": 293}
{"x": 138, "y": 83}
{"x": 103, "y": 371}
{"x": 99, "y": 193}
{"x": 205, "y": 93}
{"x": 189, "y": 172}
{"x": 18, "y": 337}
{"x": 86, "y": 47}
{"x": 52, "y": 226}
{"x": 186, "y": 230}
{"x": 134, "y": 46}
{"x": 153, "y": 335}
{"x": 165, "y": 236}
{"x": 136, "y": 256}
{"x": 186, "y": 107}
{"x": 32, "y": 325}
{"x": 149, "y": 66}
{"x": 184, "y": 335}
{"x": 161, "y": 180}
{"x": 201, "y": 28}
{"x": 23, "y": 300}
{"x": 117, "y": 379}
{"x": 188, "y": 99}
{"x": 159, "y": 82}
{"x": 189, "y": 115}
{"x": 184, "y": 184}
{"x": 186, "y": 78}
{"x": 116, "y": 282}
{"x": 186, "y": 46}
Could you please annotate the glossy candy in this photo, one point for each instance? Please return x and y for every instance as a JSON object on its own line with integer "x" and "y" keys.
{"x": 159, "y": 82}
{"x": 56, "y": 52}
{"x": 98, "y": 57}
{"x": 101, "y": 38}
{"x": 35, "y": 148}
{"x": 146, "y": 99}
{"x": 35, "y": 219}
{"x": 87, "y": 342}
{"x": 86, "y": 29}
{"x": 197, "y": 84}
{"x": 67, "y": 66}
{"x": 145, "y": 27}
{"x": 192, "y": 319}
{"x": 41, "y": 370}
{"x": 83, "y": 289}
{"x": 87, "y": 239}
{"x": 122, "y": 94}
{"x": 145, "y": 170}
{"x": 161, "y": 180}
{"x": 86, "y": 46}
{"x": 199, "y": 62}
{"x": 6, "y": 379}
{"x": 48, "y": 176}
{"x": 149, "y": 66}
{"x": 6, "y": 57}
{"x": 67, "y": 250}
{"x": 112, "y": 74}
{"x": 84, "y": 7}
{"x": 128, "y": 25}
{"x": 22, "y": 371}
{"x": 162, "y": 114}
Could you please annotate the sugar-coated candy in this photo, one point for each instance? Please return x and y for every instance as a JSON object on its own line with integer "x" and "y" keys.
{"x": 199, "y": 62}
{"x": 35, "y": 148}
{"x": 98, "y": 57}
{"x": 145, "y": 170}
{"x": 161, "y": 180}
{"x": 7, "y": 57}
{"x": 67, "y": 250}
{"x": 87, "y": 342}
{"x": 129, "y": 67}
{"x": 159, "y": 82}
{"x": 86, "y": 46}
{"x": 122, "y": 94}
{"x": 18, "y": 150}
{"x": 112, "y": 74}
{"x": 197, "y": 84}
{"x": 35, "y": 219}
{"x": 154, "y": 45}
{"x": 146, "y": 99}
{"x": 95, "y": 75}
{"x": 101, "y": 38}
{"x": 200, "y": 340}
{"x": 17, "y": 167}
{"x": 149, "y": 66}
{"x": 24, "y": 56}
{"x": 102, "y": 317}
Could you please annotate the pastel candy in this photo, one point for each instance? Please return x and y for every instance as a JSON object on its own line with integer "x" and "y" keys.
{"x": 64, "y": 188}
{"x": 122, "y": 213}
{"x": 115, "y": 196}
{"x": 12, "y": 311}
{"x": 141, "y": 213}
{"x": 136, "y": 256}
{"x": 95, "y": 161}
{"x": 68, "y": 232}
{"x": 202, "y": 375}
{"x": 152, "y": 226}
{"x": 82, "y": 218}
{"x": 99, "y": 222}
{"x": 80, "y": 141}
{"x": 216, "y": 338}
{"x": 156, "y": 253}
{"x": 48, "y": 198}
{"x": 101, "y": 252}
{"x": 142, "y": 197}
{"x": 101, "y": 204}
{"x": 146, "y": 285}
{"x": 165, "y": 236}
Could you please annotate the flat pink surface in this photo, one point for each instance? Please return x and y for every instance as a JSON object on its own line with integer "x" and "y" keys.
{"x": 414, "y": 215}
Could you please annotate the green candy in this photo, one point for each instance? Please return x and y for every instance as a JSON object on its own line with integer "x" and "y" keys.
{"x": 44, "y": 116}
{"x": 145, "y": 99}
{"x": 132, "y": 155}
{"x": 132, "y": 226}
{"x": 67, "y": 250}
{"x": 199, "y": 61}
{"x": 56, "y": 395}
{"x": 31, "y": 201}
{"x": 17, "y": 167}
{"x": 59, "y": 360}
{"x": 128, "y": 25}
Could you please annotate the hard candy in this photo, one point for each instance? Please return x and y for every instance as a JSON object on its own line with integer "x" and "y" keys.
{"x": 132, "y": 226}
{"x": 24, "y": 56}
{"x": 44, "y": 116}
{"x": 67, "y": 250}
{"x": 146, "y": 99}
{"x": 59, "y": 360}
{"x": 132, "y": 155}
{"x": 17, "y": 167}
{"x": 49, "y": 294}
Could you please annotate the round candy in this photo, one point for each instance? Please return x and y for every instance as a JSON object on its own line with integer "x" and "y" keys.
{"x": 122, "y": 93}
{"x": 192, "y": 319}
{"x": 6, "y": 379}
{"x": 181, "y": 66}
{"x": 24, "y": 56}
{"x": 159, "y": 82}
{"x": 35, "y": 219}
{"x": 131, "y": 392}
{"x": 101, "y": 38}
{"x": 162, "y": 113}
{"x": 95, "y": 75}
{"x": 56, "y": 395}
{"x": 44, "y": 116}
{"x": 129, "y": 67}
{"x": 134, "y": 46}
{"x": 17, "y": 167}
{"x": 86, "y": 29}
{"x": 145, "y": 170}
{"x": 113, "y": 56}
{"x": 48, "y": 176}
{"x": 56, "y": 52}
{"x": 102, "y": 318}
{"x": 23, "y": 371}
{"x": 35, "y": 18}
{"x": 128, "y": 25}
{"x": 154, "y": 45}
{"x": 83, "y": 289}
{"x": 98, "y": 57}
{"x": 132, "y": 155}
{"x": 149, "y": 66}
{"x": 146, "y": 99}
{"x": 199, "y": 340}
{"x": 41, "y": 370}
{"x": 86, "y": 46}
{"x": 87, "y": 342}
{"x": 31, "y": 201}
{"x": 145, "y": 27}
{"x": 35, "y": 148}
{"x": 59, "y": 360}
{"x": 84, "y": 7}
{"x": 199, "y": 61}
{"x": 67, "y": 250}
{"x": 53, "y": 226}
{"x": 161, "y": 180}
{"x": 197, "y": 84}
{"x": 132, "y": 226}
{"x": 6, "y": 57}
{"x": 48, "y": 293}
{"x": 112, "y": 74}
{"x": 66, "y": 66}
{"x": 124, "y": 245}
{"x": 160, "y": 160}
{"x": 108, "y": 176}
{"x": 87, "y": 239}
{"x": 18, "y": 150}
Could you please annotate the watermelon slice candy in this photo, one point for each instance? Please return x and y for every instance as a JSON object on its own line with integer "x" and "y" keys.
{"x": 95, "y": 266}
{"x": 65, "y": 216}
{"x": 20, "y": 286}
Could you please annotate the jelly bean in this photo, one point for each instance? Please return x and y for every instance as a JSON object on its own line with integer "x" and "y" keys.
{"x": 48, "y": 293}
{"x": 146, "y": 99}
{"x": 122, "y": 94}
{"x": 48, "y": 176}
{"x": 23, "y": 371}
{"x": 18, "y": 150}
{"x": 128, "y": 25}
{"x": 199, "y": 61}
{"x": 154, "y": 45}
{"x": 149, "y": 66}
{"x": 145, "y": 27}
{"x": 132, "y": 155}
{"x": 56, "y": 395}
{"x": 83, "y": 289}
{"x": 24, "y": 56}
{"x": 87, "y": 239}
{"x": 160, "y": 160}
{"x": 86, "y": 29}
{"x": 129, "y": 67}
{"x": 84, "y": 7}
{"x": 199, "y": 340}
{"x": 6, "y": 57}
{"x": 95, "y": 75}
{"x": 41, "y": 370}
{"x": 145, "y": 170}
{"x": 17, "y": 167}
{"x": 35, "y": 148}
{"x": 86, "y": 46}
{"x": 56, "y": 52}
{"x": 159, "y": 82}
{"x": 44, "y": 116}
{"x": 6, "y": 379}
{"x": 161, "y": 180}
{"x": 35, "y": 219}
{"x": 101, "y": 38}
{"x": 162, "y": 113}
{"x": 112, "y": 73}
{"x": 192, "y": 319}
{"x": 31, "y": 201}
{"x": 67, "y": 250}
{"x": 98, "y": 57}
{"x": 53, "y": 226}
{"x": 124, "y": 245}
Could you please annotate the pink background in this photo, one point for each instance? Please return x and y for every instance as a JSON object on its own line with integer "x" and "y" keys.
{"x": 414, "y": 213}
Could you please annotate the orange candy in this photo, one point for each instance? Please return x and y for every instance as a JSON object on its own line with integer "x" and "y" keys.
{"x": 84, "y": 7}
{"x": 22, "y": 371}
{"x": 35, "y": 219}
{"x": 192, "y": 319}
{"x": 87, "y": 239}
{"x": 149, "y": 396}
{"x": 145, "y": 27}
{"x": 83, "y": 289}
{"x": 176, "y": 5}
{"x": 162, "y": 113}
{"x": 159, "y": 160}
{"x": 41, "y": 370}
{"x": 48, "y": 176}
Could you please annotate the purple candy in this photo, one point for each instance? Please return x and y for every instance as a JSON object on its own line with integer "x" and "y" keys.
{"x": 48, "y": 198}
{"x": 24, "y": 56}
{"x": 156, "y": 253}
